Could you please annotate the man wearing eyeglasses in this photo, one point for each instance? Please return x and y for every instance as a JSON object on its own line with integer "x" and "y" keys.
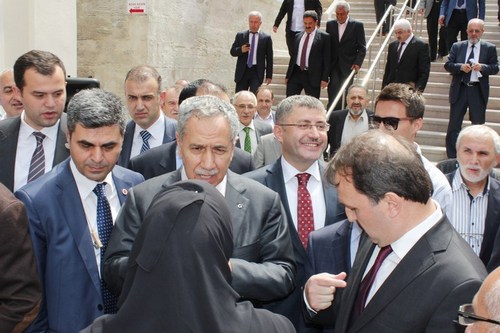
{"x": 250, "y": 131}
{"x": 297, "y": 176}
{"x": 483, "y": 315}
{"x": 399, "y": 110}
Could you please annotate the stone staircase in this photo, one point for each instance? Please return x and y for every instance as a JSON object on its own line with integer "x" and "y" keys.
{"x": 432, "y": 136}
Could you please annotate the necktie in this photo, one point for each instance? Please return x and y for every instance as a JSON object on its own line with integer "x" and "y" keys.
{"x": 145, "y": 137}
{"x": 104, "y": 228}
{"x": 400, "y": 50}
{"x": 37, "y": 165}
{"x": 460, "y": 3}
{"x": 304, "y": 53}
{"x": 470, "y": 60}
{"x": 305, "y": 215}
{"x": 366, "y": 284}
{"x": 248, "y": 141}
{"x": 252, "y": 48}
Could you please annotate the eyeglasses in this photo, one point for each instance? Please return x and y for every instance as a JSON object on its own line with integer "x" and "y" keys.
{"x": 321, "y": 127}
{"x": 245, "y": 106}
{"x": 389, "y": 122}
{"x": 466, "y": 316}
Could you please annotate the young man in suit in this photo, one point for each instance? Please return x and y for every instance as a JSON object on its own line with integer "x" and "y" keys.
{"x": 71, "y": 211}
{"x": 412, "y": 251}
{"x": 294, "y": 9}
{"x": 263, "y": 268}
{"x": 348, "y": 49}
{"x": 149, "y": 126}
{"x": 309, "y": 66}
{"x": 408, "y": 58}
{"x": 475, "y": 209}
{"x": 254, "y": 50}
{"x": 470, "y": 63}
{"x": 32, "y": 143}
{"x": 301, "y": 129}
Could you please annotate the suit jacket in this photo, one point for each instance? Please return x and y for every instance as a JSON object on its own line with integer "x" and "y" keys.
{"x": 9, "y": 133}
{"x": 336, "y": 121}
{"x": 287, "y": 9}
{"x": 263, "y": 267}
{"x": 350, "y": 50}
{"x": 473, "y": 8}
{"x": 261, "y": 128}
{"x": 490, "y": 247}
{"x": 63, "y": 248}
{"x": 268, "y": 150}
{"x": 272, "y": 177}
{"x": 487, "y": 57}
{"x": 429, "y": 273}
{"x": 20, "y": 289}
{"x": 264, "y": 55}
{"x": 162, "y": 159}
{"x": 414, "y": 66}
{"x": 319, "y": 58}
{"x": 128, "y": 139}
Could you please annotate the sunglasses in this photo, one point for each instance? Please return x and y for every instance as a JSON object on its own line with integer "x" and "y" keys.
{"x": 466, "y": 316}
{"x": 389, "y": 122}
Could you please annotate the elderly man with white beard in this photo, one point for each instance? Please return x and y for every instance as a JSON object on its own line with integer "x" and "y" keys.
{"x": 475, "y": 212}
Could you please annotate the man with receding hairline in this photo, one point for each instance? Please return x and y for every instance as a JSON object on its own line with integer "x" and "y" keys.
{"x": 8, "y": 99}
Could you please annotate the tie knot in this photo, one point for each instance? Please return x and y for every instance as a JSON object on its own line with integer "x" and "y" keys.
{"x": 145, "y": 135}
{"x": 303, "y": 178}
{"x": 472, "y": 46}
{"x": 384, "y": 252}
{"x": 39, "y": 136}
{"x": 99, "y": 190}
{"x": 247, "y": 130}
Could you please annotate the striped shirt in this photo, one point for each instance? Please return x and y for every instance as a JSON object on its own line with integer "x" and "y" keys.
{"x": 468, "y": 213}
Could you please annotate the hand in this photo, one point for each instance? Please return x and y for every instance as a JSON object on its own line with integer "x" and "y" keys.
{"x": 466, "y": 68}
{"x": 286, "y": 81}
{"x": 320, "y": 289}
{"x": 245, "y": 48}
{"x": 268, "y": 81}
{"x": 275, "y": 29}
{"x": 421, "y": 11}
{"x": 441, "y": 20}
{"x": 324, "y": 84}
{"x": 477, "y": 67}
{"x": 355, "y": 67}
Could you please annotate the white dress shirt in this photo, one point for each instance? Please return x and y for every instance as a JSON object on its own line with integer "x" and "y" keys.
{"x": 309, "y": 44}
{"x": 297, "y": 23}
{"x": 253, "y": 136}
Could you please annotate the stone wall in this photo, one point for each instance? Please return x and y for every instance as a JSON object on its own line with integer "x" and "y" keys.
{"x": 187, "y": 39}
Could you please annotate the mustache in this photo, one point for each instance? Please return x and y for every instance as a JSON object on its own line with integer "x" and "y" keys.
{"x": 205, "y": 172}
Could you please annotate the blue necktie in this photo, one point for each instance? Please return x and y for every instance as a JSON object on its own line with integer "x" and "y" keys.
{"x": 104, "y": 227}
{"x": 252, "y": 48}
{"x": 145, "y": 137}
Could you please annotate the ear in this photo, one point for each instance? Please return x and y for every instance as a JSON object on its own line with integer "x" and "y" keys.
{"x": 278, "y": 133}
{"x": 393, "y": 204}
{"x": 179, "y": 142}
{"x": 163, "y": 95}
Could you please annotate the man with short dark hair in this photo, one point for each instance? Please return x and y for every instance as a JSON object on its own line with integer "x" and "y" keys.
{"x": 71, "y": 210}
{"x": 34, "y": 142}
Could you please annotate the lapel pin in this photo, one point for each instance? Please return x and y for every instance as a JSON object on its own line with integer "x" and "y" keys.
{"x": 124, "y": 191}
{"x": 240, "y": 206}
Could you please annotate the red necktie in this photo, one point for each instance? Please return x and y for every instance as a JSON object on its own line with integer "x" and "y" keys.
{"x": 304, "y": 53}
{"x": 305, "y": 217}
{"x": 366, "y": 283}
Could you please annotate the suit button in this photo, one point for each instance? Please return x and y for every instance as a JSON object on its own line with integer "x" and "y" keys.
{"x": 100, "y": 307}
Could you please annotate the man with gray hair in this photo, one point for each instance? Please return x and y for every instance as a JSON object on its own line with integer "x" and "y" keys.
{"x": 254, "y": 50}
{"x": 475, "y": 206}
{"x": 408, "y": 58}
{"x": 71, "y": 210}
{"x": 263, "y": 268}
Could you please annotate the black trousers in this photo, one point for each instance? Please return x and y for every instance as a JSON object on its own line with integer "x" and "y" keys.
{"x": 250, "y": 80}
{"x": 457, "y": 24}
{"x": 298, "y": 81}
{"x": 432, "y": 32}
{"x": 380, "y": 8}
{"x": 336, "y": 81}
{"x": 290, "y": 40}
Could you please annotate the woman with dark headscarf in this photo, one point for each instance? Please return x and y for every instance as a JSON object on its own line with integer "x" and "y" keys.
{"x": 179, "y": 279}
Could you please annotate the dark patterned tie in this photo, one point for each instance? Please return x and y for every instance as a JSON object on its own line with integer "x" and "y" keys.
{"x": 248, "y": 141}
{"x": 252, "y": 50}
{"x": 400, "y": 50}
{"x": 37, "y": 165}
{"x": 305, "y": 215}
{"x": 470, "y": 61}
{"x": 145, "y": 137}
{"x": 304, "y": 53}
{"x": 104, "y": 227}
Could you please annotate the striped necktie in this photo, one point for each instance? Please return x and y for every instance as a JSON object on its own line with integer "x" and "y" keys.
{"x": 37, "y": 165}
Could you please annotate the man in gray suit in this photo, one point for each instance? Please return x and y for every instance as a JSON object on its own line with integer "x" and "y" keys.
{"x": 40, "y": 79}
{"x": 263, "y": 268}
{"x": 412, "y": 251}
{"x": 301, "y": 129}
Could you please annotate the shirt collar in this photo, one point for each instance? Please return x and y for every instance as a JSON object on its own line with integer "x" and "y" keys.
{"x": 458, "y": 183}
{"x": 157, "y": 130}
{"x": 50, "y": 132}
{"x": 86, "y": 186}
{"x": 251, "y": 126}
{"x": 289, "y": 171}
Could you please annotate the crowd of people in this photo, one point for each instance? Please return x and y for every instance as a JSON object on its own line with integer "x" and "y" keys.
{"x": 187, "y": 209}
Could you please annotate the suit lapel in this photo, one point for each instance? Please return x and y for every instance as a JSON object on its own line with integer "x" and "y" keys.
{"x": 8, "y": 149}
{"x": 347, "y": 30}
{"x": 61, "y": 152}
{"x": 122, "y": 184}
{"x": 491, "y": 223}
{"x": 237, "y": 202}
{"x": 127, "y": 144}
{"x": 168, "y": 159}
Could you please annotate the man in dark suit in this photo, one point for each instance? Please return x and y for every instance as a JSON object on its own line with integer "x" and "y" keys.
{"x": 430, "y": 9}
{"x": 250, "y": 130}
{"x": 149, "y": 126}
{"x": 470, "y": 83}
{"x": 309, "y": 66}
{"x": 263, "y": 268}
{"x": 41, "y": 86}
{"x": 294, "y": 13}
{"x": 66, "y": 207}
{"x": 20, "y": 290}
{"x": 348, "y": 49}
{"x": 254, "y": 50}
{"x": 408, "y": 58}
{"x": 455, "y": 15}
{"x": 301, "y": 129}
{"x": 476, "y": 195}
{"x": 163, "y": 159}
{"x": 380, "y": 9}
{"x": 412, "y": 253}
{"x": 346, "y": 124}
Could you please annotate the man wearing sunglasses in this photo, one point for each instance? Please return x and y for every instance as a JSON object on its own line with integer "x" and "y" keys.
{"x": 399, "y": 110}
{"x": 483, "y": 315}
